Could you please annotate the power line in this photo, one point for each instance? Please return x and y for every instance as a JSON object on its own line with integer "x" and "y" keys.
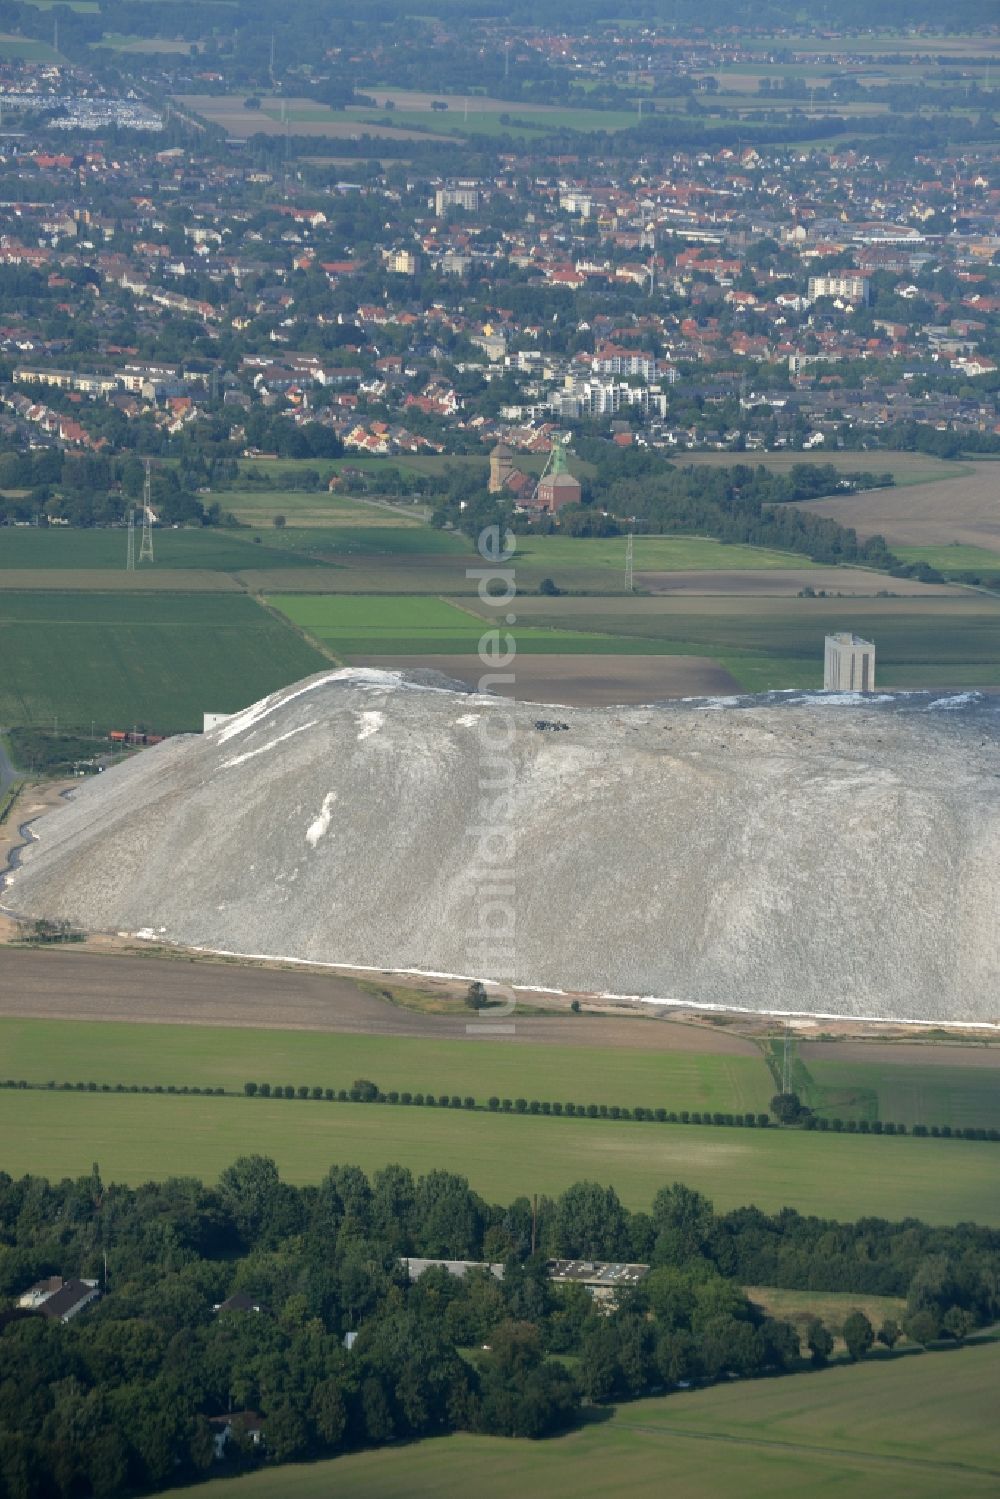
{"x": 629, "y": 548}
{"x": 146, "y": 545}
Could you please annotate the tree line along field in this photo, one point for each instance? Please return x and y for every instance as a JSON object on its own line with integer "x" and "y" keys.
{"x": 901, "y": 1083}
{"x": 159, "y": 660}
{"x": 113, "y": 1052}
{"x": 137, "y": 1138}
{"x": 908, "y": 1425}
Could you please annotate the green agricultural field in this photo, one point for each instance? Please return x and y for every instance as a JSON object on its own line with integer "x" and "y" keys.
{"x": 651, "y": 554}
{"x": 953, "y": 559}
{"x": 907, "y": 1093}
{"x": 934, "y": 642}
{"x": 137, "y": 1138}
{"x": 356, "y": 626}
{"x": 26, "y": 49}
{"x": 923, "y": 1426}
{"x": 339, "y": 540}
{"x": 110, "y": 1052}
{"x": 219, "y": 549}
{"x": 421, "y": 560}
{"x": 155, "y": 659}
{"x": 304, "y": 507}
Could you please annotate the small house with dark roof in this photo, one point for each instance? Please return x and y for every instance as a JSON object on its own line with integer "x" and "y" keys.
{"x": 59, "y": 1299}
{"x": 241, "y": 1426}
{"x": 240, "y": 1302}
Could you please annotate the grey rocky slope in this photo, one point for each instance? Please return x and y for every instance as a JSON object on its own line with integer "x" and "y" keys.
{"x": 798, "y": 854}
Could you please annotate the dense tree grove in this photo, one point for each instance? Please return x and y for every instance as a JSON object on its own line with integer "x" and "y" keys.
{"x": 634, "y": 489}
{"x": 122, "y": 1397}
{"x": 93, "y": 489}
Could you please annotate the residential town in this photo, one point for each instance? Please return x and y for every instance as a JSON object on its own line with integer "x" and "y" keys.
{"x": 162, "y": 279}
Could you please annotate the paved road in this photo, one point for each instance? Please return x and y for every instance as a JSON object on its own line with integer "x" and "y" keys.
{"x": 71, "y": 984}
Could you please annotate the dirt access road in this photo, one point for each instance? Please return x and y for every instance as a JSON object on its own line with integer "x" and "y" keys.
{"x": 82, "y": 985}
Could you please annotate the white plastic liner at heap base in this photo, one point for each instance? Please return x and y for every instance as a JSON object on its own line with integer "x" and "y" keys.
{"x": 769, "y": 855}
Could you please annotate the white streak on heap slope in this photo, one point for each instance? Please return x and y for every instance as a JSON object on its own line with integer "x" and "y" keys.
{"x": 772, "y": 854}
{"x": 369, "y": 723}
{"x": 318, "y": 828}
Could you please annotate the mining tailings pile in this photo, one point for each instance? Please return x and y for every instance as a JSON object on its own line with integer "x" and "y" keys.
{"x": 795, "y": 853}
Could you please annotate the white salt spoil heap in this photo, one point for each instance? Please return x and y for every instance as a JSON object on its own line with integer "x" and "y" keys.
{"x": 785, "y": 853}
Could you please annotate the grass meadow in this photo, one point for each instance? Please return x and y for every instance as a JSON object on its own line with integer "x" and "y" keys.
{"x": 113, "y": 1052}
{"x": 158, "y": 659}
{"x": 138, "y": 1138}
{"x": 832, "y": 1307}
{"x": 920, "y": 1424}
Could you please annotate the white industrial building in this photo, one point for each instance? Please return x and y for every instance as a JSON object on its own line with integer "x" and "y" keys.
{"x": 848, "y": 664}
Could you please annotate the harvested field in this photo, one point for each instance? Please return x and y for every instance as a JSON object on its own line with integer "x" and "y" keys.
{"x": 338, "y": 821}
{"x": 229, "y": 113}
{"x": 966, "y": 510}
{"x": 585, "y": 681}
{"x": 902, "y": 1054}
{"x": 186, "y": 991}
